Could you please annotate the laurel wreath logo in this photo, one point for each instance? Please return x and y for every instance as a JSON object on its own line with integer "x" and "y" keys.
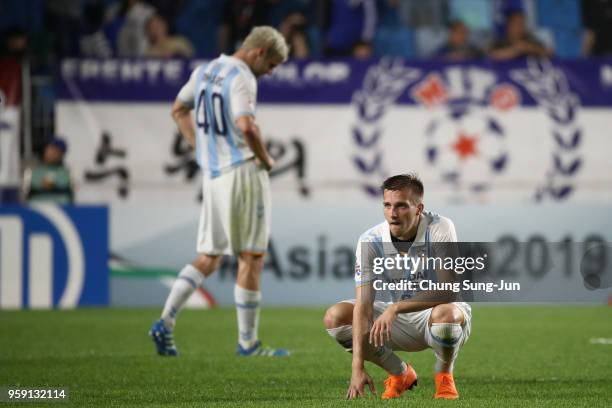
{"x": 550, "y": 89}
{"x": 383, "y": 84}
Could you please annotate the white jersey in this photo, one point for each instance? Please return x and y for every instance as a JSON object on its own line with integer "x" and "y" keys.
{"x": 220, "y": 92}
{"x": 377, "y": 241}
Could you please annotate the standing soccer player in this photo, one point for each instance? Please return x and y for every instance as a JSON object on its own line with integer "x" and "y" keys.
{"x": 413, "y": 320}
{"x": 235, "y": 216}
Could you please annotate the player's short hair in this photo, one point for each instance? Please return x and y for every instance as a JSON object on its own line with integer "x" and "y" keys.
{"x": 269, "y": 38}
{"x": 410, "y": 181}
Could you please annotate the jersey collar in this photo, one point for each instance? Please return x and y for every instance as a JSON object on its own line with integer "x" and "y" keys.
{"x": 235, "y": 60}
{"x": 419, "y": 239}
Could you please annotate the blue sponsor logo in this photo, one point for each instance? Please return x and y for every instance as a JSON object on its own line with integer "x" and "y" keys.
{"x": 53, "y": 256}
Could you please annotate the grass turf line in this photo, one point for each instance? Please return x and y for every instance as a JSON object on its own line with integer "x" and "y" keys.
{"x": 516, "y": 356}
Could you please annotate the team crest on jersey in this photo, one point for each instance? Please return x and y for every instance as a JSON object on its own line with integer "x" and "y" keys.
{"x": 467, "y": 135}
{"x": 357, "y": 272}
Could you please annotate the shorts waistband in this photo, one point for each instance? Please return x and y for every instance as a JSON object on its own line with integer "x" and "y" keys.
{"x": 233, "y": 167}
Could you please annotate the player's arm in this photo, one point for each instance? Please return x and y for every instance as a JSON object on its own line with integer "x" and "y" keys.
{"x": 362, "y": 317}
{"x": 252, "y": 136}
{"x": 181, "y": 109}
{"x": 534, "y": 48}
{"x": 427, "y": 298}
{"x": 363, "y": 312}
{"x": 505, "y": 53}
{"x": 181, "y": 114}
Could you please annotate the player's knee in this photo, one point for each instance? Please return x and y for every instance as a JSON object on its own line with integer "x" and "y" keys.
{"x": 250, "y": 263}
{"x": 446, "y": 313}
{"x": 251, "y": 257}
{"x": 340, "y": 314}
{"x": 206, "y": 264}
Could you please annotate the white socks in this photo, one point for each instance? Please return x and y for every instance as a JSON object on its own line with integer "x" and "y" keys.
{"x": 247, "y": 304}
{"x": 382, "y": 356}
{"x": 188, "y": 280}
{"x": 446, "y": 341}
{"x": 247, "y": 311}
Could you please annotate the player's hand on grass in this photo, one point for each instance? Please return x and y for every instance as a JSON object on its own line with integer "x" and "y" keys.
{"x": 359, "y": 379}
{"x": 381, "y": 329}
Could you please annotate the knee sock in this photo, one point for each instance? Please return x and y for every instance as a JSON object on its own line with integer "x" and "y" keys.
{"x": 382, "y": 356}
{"x": 247, "y": 312}
{"x": 446, "y": 340}
{"x": 187, "y": 281}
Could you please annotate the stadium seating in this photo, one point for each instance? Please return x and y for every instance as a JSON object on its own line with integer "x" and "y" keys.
{"x": 397, "y": 42}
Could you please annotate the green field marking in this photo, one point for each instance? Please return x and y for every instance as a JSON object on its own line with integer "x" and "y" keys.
{"x": 147, "y": 273}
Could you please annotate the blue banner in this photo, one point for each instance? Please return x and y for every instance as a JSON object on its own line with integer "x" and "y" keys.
{"x": 335, "y": 81}
{"x": 53, "y": 256}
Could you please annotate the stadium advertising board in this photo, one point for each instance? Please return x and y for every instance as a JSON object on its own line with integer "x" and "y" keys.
{"x": 527, "y": 137}
{"x": 312, "y": 250}
{"x": 53, "y": 257}
{"x": 470, "y": 130}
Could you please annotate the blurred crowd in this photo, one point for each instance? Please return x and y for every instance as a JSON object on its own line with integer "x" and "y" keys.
{"x": 446, "y": 29}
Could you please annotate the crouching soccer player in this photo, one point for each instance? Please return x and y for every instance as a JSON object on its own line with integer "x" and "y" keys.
{"x": 235, "y": 217}
{"x": 413, "y": 321}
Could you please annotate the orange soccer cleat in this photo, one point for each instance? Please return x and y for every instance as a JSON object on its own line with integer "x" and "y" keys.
{"x": 445, "y": 386}
{"x": 395, "y": 385}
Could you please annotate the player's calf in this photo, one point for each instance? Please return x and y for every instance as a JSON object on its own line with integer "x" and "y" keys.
{"x": 338, "y": 320}
{"x": 446, "y": 335}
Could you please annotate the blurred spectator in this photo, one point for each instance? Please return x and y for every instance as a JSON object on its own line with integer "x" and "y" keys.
{"x": 518, "y": 42}
{"x": 94, "y": 41}
{"x": 50, "y": 180}
{"x": 419, "y": 13}
{"x": 163, "y": 45}
{"x": 129, "y": 19}
{"x": 363, "y": 50}
{"x": 597, "y": 16}
{"x": 351, "y": 21}
{"x": 239, "y": 16}
{"x": 388, "y": 13}
{"x": 293, "y": 28}
{"x": 14, "y": 43}
{"x": 501, "y": 10}
{"x": 200, "y": 23}
{"x": 458, "y": 46}
{"x": 170, "y": 9}
{"x": 62, "y": 21}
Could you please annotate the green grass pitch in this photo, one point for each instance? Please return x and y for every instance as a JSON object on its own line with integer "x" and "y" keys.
{"x": 516, "y": 356}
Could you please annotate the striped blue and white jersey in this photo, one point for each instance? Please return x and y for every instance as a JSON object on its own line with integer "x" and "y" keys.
{"x": 220, "y": 92}
{"x": 377, "y": 243}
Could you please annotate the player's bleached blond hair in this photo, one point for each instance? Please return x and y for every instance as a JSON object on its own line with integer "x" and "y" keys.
{"x": 269, "y": 38}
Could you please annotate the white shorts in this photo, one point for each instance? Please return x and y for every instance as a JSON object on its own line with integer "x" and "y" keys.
{"x": 235, "y": 213}
{"x": 410, "y": 331}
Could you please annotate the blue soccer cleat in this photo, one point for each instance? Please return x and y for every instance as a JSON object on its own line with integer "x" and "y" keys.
{"x": 258, "y": 350}
{"x": 163, "y": 339}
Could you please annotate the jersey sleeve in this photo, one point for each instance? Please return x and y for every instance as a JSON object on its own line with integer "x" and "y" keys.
{"x": 243, "y": 96}
{"x": 187, "y": 93}
{"x": 444, "y": 239}
{"x": 364, "y": 260}
{"x": 443, "y": 231}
